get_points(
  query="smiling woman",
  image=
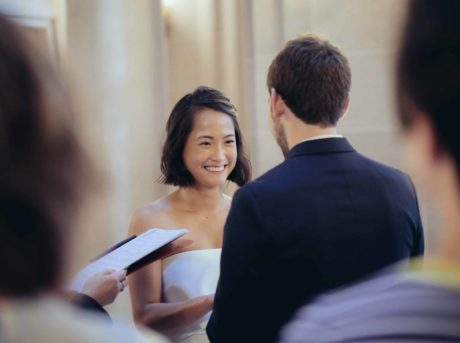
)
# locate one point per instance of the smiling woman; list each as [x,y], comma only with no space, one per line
[179,128]
[202,152]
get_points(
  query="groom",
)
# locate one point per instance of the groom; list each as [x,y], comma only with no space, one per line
[323,218]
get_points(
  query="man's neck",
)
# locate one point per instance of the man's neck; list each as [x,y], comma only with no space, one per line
[307,132]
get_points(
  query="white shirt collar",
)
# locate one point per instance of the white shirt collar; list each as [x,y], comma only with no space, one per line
[335,135]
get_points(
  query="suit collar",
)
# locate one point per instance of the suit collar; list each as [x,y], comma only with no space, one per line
[321,146]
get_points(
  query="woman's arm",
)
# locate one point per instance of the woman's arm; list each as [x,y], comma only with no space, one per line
[145,288]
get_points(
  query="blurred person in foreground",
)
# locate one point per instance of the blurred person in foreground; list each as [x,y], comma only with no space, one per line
[419,302]
[42,177]
[325,217]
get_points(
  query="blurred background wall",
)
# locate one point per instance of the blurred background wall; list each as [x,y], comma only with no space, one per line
[128,61]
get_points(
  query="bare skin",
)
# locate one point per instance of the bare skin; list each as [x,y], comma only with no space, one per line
[202,209]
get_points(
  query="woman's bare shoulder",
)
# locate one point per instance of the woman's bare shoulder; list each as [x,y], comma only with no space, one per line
[156,207]
[155,213]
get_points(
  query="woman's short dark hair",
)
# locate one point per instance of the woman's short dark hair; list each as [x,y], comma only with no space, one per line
[40,169]
[428,76]
[178,128]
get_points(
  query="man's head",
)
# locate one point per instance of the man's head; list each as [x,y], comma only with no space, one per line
[313,79]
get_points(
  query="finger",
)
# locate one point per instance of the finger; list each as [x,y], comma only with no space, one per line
[124,282]
[121,286]
[121,274]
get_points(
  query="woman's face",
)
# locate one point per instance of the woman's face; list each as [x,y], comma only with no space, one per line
[210,150]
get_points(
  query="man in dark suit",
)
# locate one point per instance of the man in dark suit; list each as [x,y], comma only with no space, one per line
[323,218]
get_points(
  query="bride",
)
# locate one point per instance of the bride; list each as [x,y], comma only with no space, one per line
[203,149]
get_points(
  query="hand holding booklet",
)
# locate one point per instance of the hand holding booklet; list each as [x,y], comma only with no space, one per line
[130,254]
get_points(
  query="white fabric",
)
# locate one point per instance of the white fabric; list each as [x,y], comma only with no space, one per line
[188,275]
[315,138]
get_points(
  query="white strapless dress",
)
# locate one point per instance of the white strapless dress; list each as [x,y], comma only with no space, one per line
[188,275]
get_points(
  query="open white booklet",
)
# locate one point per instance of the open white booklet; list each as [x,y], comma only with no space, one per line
[127,254]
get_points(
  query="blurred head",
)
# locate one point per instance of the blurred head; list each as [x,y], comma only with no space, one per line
[428,86]
[203,142]
[40,169]
[313,78]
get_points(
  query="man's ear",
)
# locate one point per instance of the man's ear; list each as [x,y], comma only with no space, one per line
[346,107]
[278,107]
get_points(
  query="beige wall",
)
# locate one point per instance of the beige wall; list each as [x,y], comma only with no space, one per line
[191,38]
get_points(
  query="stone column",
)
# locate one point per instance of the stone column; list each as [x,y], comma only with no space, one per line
[115,53]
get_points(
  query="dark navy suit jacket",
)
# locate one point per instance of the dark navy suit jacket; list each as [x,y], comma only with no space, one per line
[323,218]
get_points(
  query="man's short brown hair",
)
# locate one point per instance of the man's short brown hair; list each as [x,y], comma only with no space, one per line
[313,78]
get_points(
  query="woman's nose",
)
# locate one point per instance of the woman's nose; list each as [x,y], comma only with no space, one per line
[218,153]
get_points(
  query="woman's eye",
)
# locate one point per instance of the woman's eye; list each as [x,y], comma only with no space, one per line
[205,143]
[230,141]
